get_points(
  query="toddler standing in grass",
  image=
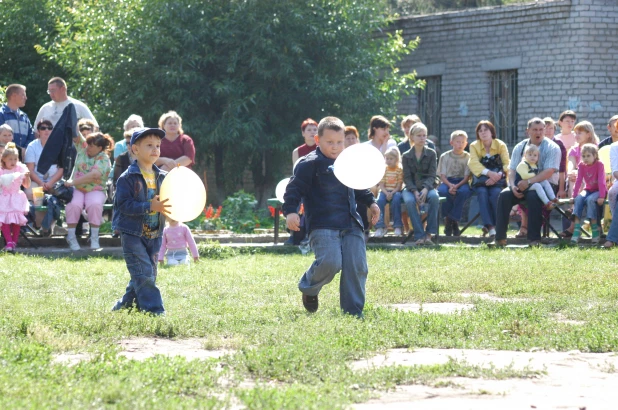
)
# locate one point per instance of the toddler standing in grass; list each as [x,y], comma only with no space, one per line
[139,217]
[591,171]
[176,237]
[335,227]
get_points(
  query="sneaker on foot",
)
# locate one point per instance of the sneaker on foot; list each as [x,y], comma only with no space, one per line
[397,232]
[379,233]
[94,243]
[73,244]
[310,303]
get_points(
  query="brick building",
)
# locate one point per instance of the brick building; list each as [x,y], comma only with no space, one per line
[511,63]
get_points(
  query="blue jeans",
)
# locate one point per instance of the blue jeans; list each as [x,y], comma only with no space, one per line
[338,250]
[612,234]
[453,206]
[433,202]
[488,203]
[395,209]
[588,200]
[141,256]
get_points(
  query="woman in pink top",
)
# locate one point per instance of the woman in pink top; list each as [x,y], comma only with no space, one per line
[177,147]
[176,237]
[592,172]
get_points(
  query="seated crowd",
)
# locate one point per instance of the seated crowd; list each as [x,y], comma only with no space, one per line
[530,180]
[96,162]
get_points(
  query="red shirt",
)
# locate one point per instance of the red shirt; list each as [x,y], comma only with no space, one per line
[306,149]
[181,146]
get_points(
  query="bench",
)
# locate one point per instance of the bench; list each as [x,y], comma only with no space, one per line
[41,208]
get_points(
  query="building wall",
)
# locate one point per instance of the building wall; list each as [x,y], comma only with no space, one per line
[565,53]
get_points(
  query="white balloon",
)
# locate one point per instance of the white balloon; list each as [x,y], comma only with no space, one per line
[296,163]
[360,166]
[185,193]
[280,190]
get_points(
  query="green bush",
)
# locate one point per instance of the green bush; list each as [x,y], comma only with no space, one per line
[238,212]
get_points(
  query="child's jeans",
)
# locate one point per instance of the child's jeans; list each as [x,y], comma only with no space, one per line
[544,191]
[395,209]
[338,250]
[177,257]
[453,206]
[433,202]
[589,200]
[141,256]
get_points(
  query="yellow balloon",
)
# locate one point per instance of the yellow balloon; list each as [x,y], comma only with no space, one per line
[185,193]
[604,158]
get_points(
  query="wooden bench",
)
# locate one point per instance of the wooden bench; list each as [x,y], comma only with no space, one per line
[41,208]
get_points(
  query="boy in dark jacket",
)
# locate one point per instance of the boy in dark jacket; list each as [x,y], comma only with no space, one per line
[335,227]
[139,216]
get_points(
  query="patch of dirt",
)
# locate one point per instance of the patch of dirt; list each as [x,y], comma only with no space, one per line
[574,380]
[443,308]
[141,348]
[71,359]
[493,298]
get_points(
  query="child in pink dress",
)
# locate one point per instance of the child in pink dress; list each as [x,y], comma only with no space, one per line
[176,237]
[13,202]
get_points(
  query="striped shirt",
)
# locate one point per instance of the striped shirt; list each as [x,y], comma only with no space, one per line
[23,133]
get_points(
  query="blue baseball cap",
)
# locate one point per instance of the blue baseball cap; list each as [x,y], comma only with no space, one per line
[139,133]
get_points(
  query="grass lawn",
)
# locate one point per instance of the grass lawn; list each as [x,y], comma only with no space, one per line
[281,356]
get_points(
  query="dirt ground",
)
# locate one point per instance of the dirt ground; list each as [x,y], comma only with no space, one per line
[573,380]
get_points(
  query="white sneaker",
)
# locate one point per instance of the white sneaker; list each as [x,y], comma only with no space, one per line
[94,242]
[397,232]
[379,233]
[73,244]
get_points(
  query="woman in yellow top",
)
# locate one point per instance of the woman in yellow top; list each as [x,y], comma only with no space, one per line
[489,162]
[89,177]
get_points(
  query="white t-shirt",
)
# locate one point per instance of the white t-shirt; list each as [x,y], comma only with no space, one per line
[33,153]
[52,111]
[389,143]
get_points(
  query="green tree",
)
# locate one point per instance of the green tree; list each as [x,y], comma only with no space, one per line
[243,74]
[23,24]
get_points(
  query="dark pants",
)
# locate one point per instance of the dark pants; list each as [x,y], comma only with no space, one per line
[141,256]
[507,200]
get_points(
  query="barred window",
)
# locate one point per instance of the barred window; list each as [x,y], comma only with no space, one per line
[430,106]
[503,105]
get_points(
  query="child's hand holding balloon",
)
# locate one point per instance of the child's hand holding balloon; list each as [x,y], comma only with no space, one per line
[293,222]
[160,206]
[375,213]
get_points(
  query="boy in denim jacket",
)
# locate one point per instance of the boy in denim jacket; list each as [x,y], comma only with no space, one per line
[139,216]
[335,227]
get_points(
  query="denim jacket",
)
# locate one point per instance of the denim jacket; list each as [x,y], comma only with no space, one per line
[328,203]
[130,202]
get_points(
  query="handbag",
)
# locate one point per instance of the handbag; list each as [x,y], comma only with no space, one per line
[62,192]
[492,163]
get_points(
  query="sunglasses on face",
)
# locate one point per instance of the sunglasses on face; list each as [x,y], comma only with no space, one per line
[44,128]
